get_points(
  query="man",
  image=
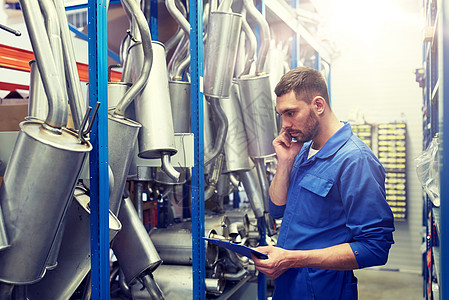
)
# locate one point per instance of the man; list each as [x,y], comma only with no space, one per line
[329,188]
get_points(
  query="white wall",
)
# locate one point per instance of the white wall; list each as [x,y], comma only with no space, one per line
[380,47]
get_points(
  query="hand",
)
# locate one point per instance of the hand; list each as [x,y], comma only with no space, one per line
[286,149]
[275,265]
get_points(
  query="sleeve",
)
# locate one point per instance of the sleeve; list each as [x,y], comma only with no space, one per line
[369,217]
[276,211]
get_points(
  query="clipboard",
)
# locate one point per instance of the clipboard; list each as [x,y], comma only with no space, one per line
[240,249]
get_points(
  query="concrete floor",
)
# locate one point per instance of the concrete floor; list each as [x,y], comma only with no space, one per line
[387,285]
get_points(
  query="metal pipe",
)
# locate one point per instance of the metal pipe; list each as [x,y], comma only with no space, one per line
[174,40]
[124,51]
[222,131]
[264,33]
[168,168]
[152,287]
[139,190]
[260,167]
[123,285]
[141,82]
[54,34]
[252,43]
[179,33]
[178,16]
[75,95]
[252,188]
[236,276]
[57,115]
[225,5]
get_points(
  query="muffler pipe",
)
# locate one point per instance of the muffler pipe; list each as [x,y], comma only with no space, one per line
[236,145]
[178,16]
[176,282]
[252,44]
[153,111]
[180,105]
[75,95]
[147,60]
[152,287]
[236,276]
[26,201]
[122,140]
[251,184]
[222,130]
[264,33]
[58,111]
[38,106]
[74,262]
[258,114]
[132,246]
[220,53]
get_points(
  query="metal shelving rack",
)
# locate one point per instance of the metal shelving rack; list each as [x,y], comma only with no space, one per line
[98,90]
[98,164]
[435,112]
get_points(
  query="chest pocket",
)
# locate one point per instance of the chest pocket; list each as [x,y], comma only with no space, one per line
[312,207]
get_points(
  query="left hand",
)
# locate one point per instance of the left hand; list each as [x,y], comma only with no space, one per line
[276,264]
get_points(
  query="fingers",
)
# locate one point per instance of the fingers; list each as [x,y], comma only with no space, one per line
[284,139]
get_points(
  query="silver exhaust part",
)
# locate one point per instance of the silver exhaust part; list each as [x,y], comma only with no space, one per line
[38,105]
[252,187]
[74,256]
[78,106]
[27,201]
[176,282]
[153,111]
[264,33]
[122,139]
[180,105]
[58,110]
[220,53]
[132,246]
[236,145]
[147,57]
[258,114]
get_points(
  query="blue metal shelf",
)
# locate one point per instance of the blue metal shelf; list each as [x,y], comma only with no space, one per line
[99,183]
[196,71]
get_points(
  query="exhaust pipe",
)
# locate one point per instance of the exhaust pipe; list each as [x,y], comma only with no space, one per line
[74,256]
[75,95]
[58,111]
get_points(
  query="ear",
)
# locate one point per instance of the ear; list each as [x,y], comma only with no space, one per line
[319,104]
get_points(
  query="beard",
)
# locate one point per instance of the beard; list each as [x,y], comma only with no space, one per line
[310,131]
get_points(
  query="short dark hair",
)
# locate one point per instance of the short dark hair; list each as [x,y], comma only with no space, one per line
[303,80]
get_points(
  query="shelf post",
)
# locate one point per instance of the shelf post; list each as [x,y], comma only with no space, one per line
[98,158]
[196,120]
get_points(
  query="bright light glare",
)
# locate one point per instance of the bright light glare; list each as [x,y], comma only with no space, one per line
[360,16]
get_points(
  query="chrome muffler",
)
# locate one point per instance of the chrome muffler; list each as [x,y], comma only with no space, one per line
[153,110]
[252,187]
[74,261]
[220,53]
[132,246]
[236,145]
[122,139]
[35,194]
[258,114]
[176,282]
[180,105]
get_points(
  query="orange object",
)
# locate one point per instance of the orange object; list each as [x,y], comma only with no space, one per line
[18,59]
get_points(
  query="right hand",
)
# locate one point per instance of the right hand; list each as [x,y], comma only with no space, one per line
[286,149]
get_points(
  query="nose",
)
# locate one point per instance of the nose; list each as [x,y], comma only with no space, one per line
[285,123]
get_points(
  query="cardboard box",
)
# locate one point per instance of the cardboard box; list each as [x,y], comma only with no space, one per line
[12,112]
